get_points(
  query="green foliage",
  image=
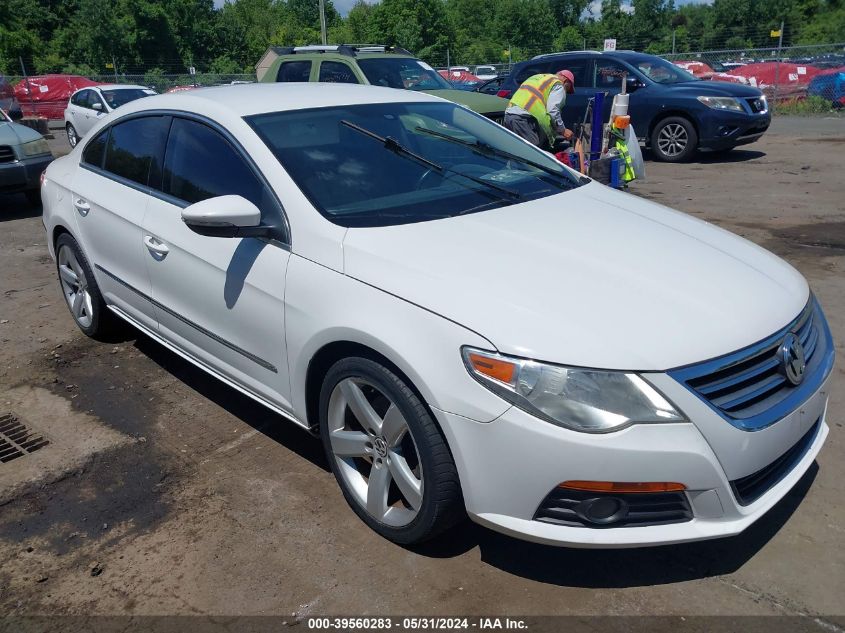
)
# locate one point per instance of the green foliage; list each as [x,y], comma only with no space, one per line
[806,106]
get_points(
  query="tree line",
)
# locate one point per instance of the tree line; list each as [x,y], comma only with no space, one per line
[95,37]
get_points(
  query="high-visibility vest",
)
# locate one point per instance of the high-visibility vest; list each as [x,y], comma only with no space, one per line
[622,148]
[533,95]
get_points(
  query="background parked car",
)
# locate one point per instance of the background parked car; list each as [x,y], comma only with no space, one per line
[24,155]
[386,66]
[86,106]
[672,111]
[486,72]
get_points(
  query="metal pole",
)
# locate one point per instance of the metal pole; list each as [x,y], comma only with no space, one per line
[28,88]
[323,22]
[114,65]
[510,58]
[777,65]
[448,65]
[673,41]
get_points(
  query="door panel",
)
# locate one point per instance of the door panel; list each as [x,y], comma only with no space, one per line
[219,299]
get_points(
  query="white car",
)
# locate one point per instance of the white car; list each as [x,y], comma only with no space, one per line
[87,105]
[486,72]
[468,325]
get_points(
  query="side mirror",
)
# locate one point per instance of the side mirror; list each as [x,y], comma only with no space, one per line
[226,216]
[633,83]
[16,115]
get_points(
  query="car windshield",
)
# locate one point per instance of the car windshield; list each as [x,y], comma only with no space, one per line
[117,98]
[402,72]
[397,163]
[663,72]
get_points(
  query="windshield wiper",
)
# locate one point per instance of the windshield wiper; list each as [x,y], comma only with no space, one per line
[397,148]
[488,150]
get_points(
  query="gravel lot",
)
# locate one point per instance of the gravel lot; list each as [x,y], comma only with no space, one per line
[165,492]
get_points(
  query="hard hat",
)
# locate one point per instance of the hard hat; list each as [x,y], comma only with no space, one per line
[565,74]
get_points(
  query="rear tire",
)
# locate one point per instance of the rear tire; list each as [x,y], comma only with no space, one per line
[81,292]
[674,140]
[72,136]
[387,454]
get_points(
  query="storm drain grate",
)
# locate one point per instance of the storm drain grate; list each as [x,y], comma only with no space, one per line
[16,440]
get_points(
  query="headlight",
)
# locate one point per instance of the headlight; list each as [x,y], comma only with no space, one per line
[722,103]
[586,400]
[36,147]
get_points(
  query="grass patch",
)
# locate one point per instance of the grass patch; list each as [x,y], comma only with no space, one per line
[807,106]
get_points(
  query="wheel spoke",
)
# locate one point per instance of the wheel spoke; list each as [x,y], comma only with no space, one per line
[377,488]
[406,481]
[393,426]
[361,407]
[350,443]
[68,275]
[89,308]
[78,302]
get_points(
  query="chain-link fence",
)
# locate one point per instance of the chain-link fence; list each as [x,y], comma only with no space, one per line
[813,77]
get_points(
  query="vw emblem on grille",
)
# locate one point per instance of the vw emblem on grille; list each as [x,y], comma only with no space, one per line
[791,357]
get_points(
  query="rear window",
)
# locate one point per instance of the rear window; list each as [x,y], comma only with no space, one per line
[577,66]
[136,148]
[294,71]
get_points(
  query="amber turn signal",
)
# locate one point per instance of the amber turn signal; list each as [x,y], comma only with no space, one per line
[623,486]
[500,370]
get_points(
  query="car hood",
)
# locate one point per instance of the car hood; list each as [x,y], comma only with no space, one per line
[477,101]
[715,88]
[590,277]
[15,134]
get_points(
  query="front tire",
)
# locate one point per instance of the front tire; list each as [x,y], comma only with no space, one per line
[72,136]
[80,290]
[387,454]
[674,140]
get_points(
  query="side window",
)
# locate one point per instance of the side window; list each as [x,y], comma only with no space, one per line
[337,72]
[294,71]
[94,97]
[79,98]
[609,74]
[95,150]
[532,69]
[201,164]
[577,66]
[136,148]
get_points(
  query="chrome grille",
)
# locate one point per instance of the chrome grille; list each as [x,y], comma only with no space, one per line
[748,387]
[7,154]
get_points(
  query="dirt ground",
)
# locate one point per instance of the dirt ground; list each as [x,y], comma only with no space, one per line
[165,492]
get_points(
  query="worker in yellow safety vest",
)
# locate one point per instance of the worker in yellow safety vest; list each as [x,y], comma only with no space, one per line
[534,109]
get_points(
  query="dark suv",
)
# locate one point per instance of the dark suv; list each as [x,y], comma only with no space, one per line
[673,112]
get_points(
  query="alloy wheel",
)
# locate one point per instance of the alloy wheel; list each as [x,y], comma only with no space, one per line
[75,287]
[72,138]
[673,139]
[375,452]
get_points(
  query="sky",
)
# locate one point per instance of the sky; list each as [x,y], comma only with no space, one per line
[343,6]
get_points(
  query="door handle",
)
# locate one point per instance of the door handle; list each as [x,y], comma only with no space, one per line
[159,249]
[82,206]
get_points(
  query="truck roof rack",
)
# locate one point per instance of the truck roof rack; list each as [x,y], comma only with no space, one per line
[351,50]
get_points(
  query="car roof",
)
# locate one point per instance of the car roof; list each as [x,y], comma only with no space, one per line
[120,87]
[258,98]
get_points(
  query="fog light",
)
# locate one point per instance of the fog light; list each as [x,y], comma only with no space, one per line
[602,510]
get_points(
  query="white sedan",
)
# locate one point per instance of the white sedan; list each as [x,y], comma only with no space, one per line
[469,326]
[87,105]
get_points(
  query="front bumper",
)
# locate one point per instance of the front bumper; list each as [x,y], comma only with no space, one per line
[508,466]
[724,130]
[23,174]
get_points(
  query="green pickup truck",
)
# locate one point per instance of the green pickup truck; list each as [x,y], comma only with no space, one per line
[387,66]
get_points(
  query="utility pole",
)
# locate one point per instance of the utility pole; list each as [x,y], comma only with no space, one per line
[673,41]
[585,44]
[448,64]
[777,66]
[323,22]
[28,88]
[114,65]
